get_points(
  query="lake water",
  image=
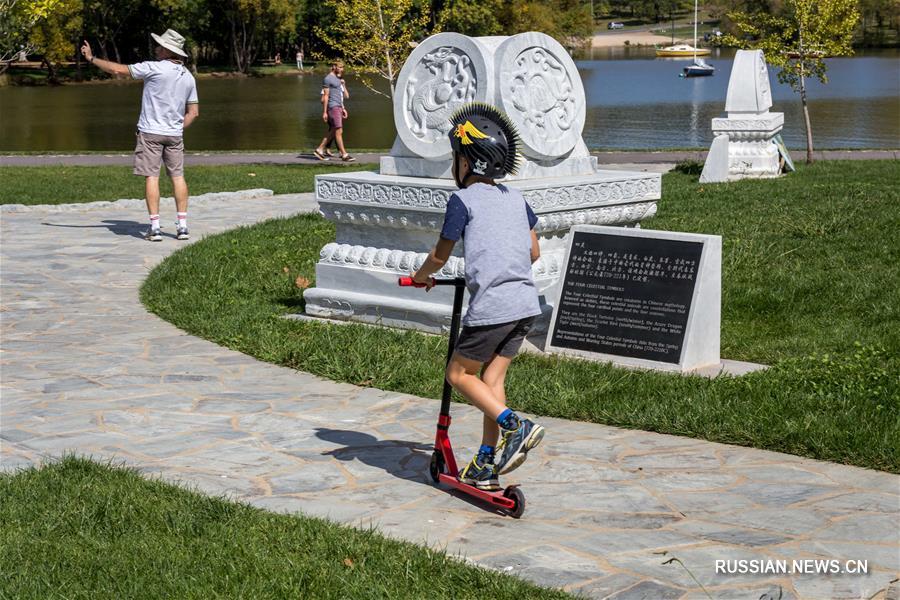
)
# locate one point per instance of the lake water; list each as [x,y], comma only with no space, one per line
[634,101]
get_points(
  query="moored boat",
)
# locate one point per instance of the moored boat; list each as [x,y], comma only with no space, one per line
[682,50]
[700,68]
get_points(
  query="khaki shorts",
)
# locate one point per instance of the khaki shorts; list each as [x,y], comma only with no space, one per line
[152,150]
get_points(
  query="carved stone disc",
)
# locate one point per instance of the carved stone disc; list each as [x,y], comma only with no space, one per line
[444,72]
[540,89]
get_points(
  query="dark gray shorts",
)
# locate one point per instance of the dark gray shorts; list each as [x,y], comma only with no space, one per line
[482,343]
[152,150]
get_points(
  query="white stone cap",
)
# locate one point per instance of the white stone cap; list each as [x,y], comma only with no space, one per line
[748,87]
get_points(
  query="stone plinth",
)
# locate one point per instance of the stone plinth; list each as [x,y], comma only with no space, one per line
[387,222]
[744,146]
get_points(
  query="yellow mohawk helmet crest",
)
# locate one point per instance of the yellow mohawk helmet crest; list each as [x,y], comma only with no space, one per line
[465,130]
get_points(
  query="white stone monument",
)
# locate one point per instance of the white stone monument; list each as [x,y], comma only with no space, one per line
[388,221]
[743,145]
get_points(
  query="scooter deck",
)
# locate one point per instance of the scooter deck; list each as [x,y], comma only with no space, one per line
[496,498]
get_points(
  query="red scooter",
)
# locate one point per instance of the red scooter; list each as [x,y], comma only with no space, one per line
[443,463]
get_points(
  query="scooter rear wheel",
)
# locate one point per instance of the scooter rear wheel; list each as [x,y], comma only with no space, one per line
[437,466]
[518,497]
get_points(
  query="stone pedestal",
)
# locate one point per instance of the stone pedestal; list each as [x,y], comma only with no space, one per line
[388,221]
[743,146]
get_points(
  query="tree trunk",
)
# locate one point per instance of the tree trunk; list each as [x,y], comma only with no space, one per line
[51,73]
[809,142]
[387,49]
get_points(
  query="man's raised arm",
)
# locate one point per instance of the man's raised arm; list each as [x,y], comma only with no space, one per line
[113,68]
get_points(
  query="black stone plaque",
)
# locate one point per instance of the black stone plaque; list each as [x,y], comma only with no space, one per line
[627,295]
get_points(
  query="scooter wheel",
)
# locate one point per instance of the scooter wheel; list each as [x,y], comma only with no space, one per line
[518,497]
[436,467]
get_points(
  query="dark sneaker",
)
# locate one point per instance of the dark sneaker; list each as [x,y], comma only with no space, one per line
[481,475]
[182,234]
[515,445]
[153,235]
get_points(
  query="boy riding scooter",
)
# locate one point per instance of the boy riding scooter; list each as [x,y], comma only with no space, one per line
[500,247]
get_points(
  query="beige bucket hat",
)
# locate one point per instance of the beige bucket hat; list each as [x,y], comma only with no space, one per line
[171,40]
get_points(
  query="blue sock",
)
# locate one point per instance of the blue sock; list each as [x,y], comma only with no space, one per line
[486,454]
[508,420]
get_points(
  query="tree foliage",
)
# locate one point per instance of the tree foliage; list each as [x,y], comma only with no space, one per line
[798,39]
[250,20]
[472,18]
[17,19]
[568,21]
[376,36]
[56,35]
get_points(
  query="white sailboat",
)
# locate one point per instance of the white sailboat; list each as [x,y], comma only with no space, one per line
[700,68]
[684,50]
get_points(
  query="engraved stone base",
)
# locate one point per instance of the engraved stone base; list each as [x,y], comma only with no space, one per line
[746,146]
[387,224]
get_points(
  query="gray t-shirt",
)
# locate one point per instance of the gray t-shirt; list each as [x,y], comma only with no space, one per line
[495,223]
[335,92]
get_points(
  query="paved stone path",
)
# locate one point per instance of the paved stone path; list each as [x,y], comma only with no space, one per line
[281,158]
[85,368]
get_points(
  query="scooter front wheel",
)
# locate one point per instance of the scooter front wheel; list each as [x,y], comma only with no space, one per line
[437,466]
[518,497]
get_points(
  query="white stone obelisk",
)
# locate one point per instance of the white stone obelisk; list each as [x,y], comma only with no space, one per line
[744,146]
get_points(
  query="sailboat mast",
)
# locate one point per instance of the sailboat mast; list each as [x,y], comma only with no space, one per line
[695,31]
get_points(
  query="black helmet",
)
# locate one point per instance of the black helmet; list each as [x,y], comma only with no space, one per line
[487,138]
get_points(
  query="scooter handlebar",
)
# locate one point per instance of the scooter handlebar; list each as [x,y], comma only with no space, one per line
[408,282]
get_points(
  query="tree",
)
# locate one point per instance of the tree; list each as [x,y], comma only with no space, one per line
[798,40]
[57,35]
[472,18]
[567,21]
[376,36]
[252,21]
[17,19]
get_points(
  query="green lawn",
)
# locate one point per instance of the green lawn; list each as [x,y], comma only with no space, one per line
[60,185]
[76,529]
[810,277]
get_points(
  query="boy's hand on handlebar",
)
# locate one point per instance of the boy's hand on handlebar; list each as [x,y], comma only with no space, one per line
[425,280]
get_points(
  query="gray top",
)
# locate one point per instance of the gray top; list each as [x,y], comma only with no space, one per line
[495,223]
[335,92]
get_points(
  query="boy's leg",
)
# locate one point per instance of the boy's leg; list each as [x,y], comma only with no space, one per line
[519,436]
[462,374]
[494,375]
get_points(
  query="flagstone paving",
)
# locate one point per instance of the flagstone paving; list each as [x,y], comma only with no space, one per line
[86,369]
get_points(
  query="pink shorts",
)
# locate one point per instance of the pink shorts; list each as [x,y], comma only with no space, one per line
[335,117]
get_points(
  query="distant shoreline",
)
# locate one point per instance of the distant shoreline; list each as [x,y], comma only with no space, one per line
[628,38]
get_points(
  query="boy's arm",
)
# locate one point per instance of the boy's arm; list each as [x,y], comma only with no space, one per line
[535,247]
[325,105]
[437,258]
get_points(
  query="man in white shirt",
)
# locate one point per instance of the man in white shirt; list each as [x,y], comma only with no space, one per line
[169,104]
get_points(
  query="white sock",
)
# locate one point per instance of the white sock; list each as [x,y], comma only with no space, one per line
[182,219]
[154,222]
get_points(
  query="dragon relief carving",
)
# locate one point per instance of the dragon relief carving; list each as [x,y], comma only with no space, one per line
[448,82]
[542,92]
